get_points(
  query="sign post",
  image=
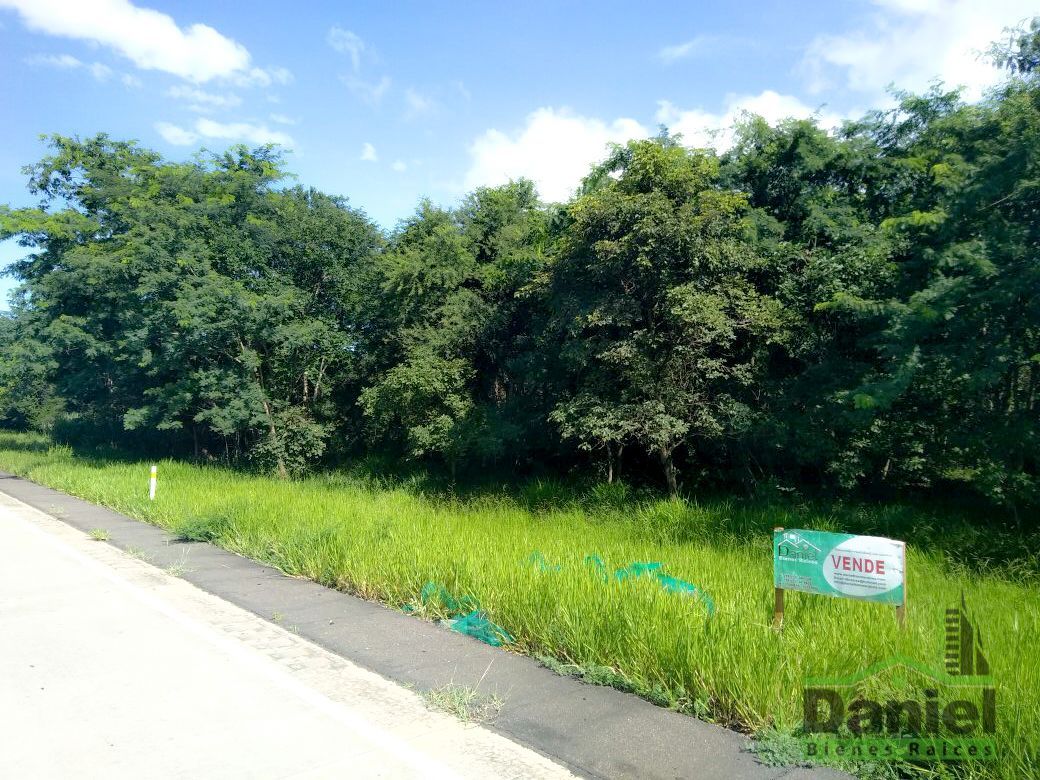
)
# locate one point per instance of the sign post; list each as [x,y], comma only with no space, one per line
[866,568]
[778,608]
[151,483]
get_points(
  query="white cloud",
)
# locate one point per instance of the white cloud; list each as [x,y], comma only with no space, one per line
[347,42]
[910,43]
[463,90]
[151,39]
[204,129]
[351,44]
[700,128]
[175,135]
[130,80]
[400,166]
[282,119]
[417,104]
[262,77]
[696,46]
[368,153]
[200,100]
[99,71]
[678,51]
[64,61]
[555,149]
[241,131]
[369,91]
[701,46]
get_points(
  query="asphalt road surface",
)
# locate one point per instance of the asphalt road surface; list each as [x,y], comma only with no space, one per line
[111,667]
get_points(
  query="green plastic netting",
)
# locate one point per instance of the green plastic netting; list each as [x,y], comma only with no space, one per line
[466,616]
[656,570]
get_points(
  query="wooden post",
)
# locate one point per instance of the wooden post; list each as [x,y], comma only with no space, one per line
[778,599]
[901,608]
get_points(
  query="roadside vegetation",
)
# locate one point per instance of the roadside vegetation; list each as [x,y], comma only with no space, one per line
[828,328]
[852,310]
[384,538]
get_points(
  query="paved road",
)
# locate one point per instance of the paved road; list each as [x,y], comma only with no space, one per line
[113,668]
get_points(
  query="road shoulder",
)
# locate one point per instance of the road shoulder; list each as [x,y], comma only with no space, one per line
[593,730]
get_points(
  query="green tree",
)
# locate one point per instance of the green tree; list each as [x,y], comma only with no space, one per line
[193,297]
[455,325]
[660,318]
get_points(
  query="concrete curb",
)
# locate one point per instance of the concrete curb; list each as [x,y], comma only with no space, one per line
[595,731]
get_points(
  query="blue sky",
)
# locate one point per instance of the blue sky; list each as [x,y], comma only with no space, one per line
[386,103]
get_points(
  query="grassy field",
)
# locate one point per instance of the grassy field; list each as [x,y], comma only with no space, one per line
[384,539]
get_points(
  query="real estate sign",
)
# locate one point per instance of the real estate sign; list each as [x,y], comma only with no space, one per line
[869,568]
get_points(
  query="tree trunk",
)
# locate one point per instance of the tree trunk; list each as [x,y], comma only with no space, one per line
[610,463]
[668,464]
[317,382]
[282,471]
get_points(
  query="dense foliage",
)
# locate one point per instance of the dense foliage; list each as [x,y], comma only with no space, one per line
[855,309]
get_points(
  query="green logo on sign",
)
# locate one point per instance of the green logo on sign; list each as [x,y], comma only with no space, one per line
[868,568]
[794,547]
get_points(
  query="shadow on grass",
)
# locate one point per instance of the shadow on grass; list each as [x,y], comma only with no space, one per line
[971,538]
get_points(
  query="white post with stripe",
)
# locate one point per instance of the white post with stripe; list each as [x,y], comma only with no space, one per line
[151,483]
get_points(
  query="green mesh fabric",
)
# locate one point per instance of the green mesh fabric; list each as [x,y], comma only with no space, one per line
[434,592]
[467,617]
[538,560]
[638,569]
[477,625]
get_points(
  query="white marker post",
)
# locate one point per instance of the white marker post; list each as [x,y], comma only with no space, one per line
[151,483]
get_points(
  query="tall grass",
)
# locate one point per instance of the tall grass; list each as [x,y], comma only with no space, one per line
[384,541]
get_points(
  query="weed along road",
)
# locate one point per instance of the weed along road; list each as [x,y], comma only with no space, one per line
[113,668]
[127,653]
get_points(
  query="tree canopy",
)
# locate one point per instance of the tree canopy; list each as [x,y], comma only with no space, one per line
[857,308]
